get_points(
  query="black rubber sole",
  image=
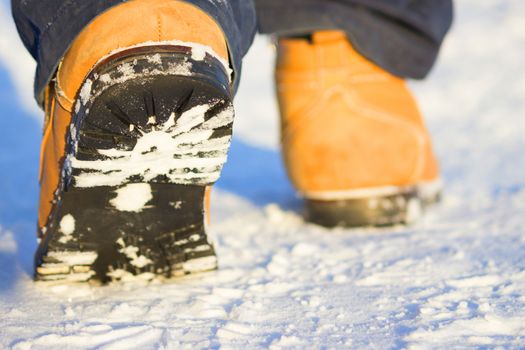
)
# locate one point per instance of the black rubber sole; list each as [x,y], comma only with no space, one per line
[399,208]
[151,131]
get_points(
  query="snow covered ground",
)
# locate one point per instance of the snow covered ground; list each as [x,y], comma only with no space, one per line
[456,279]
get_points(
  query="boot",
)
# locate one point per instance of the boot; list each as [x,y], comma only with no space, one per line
[138,125]
[354,143]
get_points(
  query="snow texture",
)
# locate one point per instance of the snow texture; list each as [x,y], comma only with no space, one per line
[454,280]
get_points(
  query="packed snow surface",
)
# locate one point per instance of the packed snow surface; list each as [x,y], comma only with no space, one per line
[455,279]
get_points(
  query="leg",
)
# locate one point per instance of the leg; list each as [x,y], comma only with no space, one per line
[402,37]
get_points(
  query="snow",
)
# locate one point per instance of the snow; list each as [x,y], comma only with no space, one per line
[198,53]
[74,258]
[67,227]
[455,279]
[67,224]
[85,91]
[155,59]
[132,197]
[131,252]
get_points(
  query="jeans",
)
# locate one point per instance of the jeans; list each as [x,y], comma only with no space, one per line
[401,36]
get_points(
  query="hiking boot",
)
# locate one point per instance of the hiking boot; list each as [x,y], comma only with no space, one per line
[138,125]
[354,143]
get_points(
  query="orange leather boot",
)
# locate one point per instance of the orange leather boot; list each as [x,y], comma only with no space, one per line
[138,125]
[354,143]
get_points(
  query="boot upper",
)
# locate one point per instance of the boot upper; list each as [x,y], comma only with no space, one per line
[346,123]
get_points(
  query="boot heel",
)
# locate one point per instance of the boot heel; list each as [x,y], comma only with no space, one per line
[151,130]
[377,207]
[377,210]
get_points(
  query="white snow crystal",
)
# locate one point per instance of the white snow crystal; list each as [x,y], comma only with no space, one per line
[132,197]
[74,258]
[131,253]
[85,91]
[198,53]
[67,227]
[154,59]
[67,224]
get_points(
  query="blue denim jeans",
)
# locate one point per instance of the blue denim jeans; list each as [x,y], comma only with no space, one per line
[402,36]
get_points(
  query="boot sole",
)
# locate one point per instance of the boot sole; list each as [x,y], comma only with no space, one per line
[381,207]
[151,130]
